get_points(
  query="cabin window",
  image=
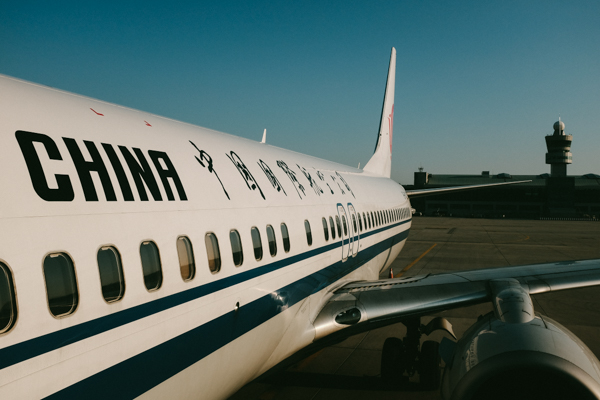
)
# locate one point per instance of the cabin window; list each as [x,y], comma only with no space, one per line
[372,220]
[325,228]
[111,273]
[187,264]
[212,252]
[151,265]
[256,243]
[354,224]
[345,226]
[308,232]
[272,240]
[236,247]
[332,227]
[360,222]
[339,226]
[8,302]
[285,237]
[61,284]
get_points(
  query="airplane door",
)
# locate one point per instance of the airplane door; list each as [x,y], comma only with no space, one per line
[354,231]
[343,220]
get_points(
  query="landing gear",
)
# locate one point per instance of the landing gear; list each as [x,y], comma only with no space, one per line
[393,360]
[429,365]
[402,358]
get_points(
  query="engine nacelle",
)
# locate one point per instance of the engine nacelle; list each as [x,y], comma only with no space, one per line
[539,358]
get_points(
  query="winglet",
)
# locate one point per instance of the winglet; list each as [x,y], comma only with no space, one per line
[264,138]
[381,161]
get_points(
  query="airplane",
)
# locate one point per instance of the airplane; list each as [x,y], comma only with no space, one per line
[141,257]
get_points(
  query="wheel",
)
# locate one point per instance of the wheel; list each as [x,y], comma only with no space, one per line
[392,357]
[429,365]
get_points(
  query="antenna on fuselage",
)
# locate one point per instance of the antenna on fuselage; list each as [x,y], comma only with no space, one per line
[264,139]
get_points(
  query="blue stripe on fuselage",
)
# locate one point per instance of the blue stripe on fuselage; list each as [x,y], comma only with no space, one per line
[140,373]
[37,346]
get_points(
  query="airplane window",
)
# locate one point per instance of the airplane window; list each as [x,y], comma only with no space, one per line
[359,222]
[354,222]
[151,265]
[272,240]
[372,220]
[332,228]
[308,232]
[286,237]
[187,264]
[325,228]
[339,226]
[345,226]
[61,284]
[111,273]
[256,243]
[236,247]
[365,221]
[8,302]
[213,253]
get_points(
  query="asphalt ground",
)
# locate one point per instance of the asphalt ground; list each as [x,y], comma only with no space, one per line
[350,369]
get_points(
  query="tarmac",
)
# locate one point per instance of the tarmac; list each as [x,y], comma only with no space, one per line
[350,369]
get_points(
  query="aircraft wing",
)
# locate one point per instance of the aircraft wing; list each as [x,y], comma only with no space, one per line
[366,305]
[428,192]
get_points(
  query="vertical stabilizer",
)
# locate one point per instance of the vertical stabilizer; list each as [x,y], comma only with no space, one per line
[381,161]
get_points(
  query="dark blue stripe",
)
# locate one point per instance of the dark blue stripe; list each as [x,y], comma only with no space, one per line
[140,373]
[52,341]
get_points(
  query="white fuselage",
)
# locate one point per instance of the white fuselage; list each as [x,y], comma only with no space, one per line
[204,337]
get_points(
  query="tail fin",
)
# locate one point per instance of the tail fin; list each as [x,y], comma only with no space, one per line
[381,161]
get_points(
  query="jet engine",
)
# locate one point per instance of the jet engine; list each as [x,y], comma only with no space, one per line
[514,353]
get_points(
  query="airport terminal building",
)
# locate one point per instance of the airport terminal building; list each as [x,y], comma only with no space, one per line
[551,195]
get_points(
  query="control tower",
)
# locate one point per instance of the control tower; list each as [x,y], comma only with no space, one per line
[559,150]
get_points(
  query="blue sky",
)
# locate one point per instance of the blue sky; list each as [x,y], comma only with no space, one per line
[478,86]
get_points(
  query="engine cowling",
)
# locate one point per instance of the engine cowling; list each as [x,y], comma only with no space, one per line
[539,358]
